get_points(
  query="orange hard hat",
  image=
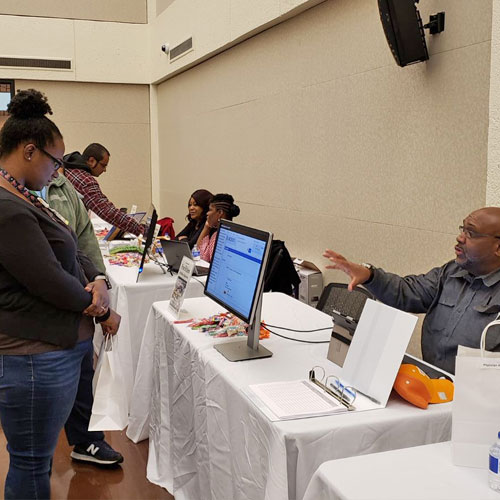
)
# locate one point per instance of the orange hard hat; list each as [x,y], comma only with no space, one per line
[417,388]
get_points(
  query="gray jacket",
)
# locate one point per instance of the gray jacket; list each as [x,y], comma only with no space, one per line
[457,304]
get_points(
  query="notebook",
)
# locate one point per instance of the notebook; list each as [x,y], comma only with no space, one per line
[175,250]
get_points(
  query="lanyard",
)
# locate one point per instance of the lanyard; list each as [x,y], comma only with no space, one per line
[36,200]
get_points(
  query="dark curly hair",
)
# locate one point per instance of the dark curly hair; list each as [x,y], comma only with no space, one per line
[27,122]
[224,201]
[203,199]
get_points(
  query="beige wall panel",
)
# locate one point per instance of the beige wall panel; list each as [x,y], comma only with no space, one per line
[128,178]
[405,151]
[116,116]
[105,52]
[40,38]
[95,102]
[97,10]
[245,16]
[162,5]
[493,182]
[207,22]
[112,53]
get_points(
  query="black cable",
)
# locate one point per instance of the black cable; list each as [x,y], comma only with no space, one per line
[299,331]
[296,340]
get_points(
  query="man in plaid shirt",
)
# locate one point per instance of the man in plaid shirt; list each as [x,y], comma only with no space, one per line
[81,170]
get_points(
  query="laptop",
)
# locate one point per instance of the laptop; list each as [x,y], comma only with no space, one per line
[175,250]
[115,233]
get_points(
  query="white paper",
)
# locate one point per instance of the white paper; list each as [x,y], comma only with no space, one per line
[296,399]
[183,276]
[377,348]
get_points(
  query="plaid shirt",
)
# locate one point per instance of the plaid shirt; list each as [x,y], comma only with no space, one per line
[94,199]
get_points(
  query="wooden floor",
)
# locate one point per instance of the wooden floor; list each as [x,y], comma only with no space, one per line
[72,480]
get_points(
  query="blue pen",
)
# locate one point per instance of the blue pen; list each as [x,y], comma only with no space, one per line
[340,387]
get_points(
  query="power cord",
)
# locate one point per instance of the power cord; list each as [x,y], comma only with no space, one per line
[299,331]
[297,340]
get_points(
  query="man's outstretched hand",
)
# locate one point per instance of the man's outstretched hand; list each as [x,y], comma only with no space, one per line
[358,273]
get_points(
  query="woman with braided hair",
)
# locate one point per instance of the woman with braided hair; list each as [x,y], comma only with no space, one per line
[221,206]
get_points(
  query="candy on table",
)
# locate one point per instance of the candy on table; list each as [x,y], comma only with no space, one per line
[225,325]
[126,259]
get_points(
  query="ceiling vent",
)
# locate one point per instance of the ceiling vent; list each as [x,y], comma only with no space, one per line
[30,62]
[180,50]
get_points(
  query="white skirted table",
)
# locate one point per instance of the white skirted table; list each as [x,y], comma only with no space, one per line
[133,302]
[208,440]
[419,473]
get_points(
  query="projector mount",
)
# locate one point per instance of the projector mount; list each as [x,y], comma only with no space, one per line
[435,24]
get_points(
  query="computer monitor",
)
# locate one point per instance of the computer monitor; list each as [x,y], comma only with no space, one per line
[151,219]
[236,282]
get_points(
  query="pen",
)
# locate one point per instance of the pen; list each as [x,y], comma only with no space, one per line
[339,386]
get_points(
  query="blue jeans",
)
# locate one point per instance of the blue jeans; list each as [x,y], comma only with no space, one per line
[37,393]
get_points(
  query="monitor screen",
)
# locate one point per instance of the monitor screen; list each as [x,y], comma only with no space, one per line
[238,267]
[150,222]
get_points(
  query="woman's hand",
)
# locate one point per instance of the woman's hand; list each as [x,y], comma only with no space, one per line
[112,324]
[100,298]
[358,273]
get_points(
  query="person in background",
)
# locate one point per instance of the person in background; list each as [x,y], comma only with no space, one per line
[48,299]
[459,298]
[63,198]
[87,446]
[221,207]
[81,170]
[198,205]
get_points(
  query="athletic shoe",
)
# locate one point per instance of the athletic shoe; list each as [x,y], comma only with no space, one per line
[98,452]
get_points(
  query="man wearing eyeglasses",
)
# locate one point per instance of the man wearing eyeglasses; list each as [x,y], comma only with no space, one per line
[459,298]
[81,170]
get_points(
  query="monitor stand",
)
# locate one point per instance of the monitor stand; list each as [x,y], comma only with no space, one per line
[241,350]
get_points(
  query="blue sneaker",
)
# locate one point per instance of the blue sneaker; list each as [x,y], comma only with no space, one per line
[98,452]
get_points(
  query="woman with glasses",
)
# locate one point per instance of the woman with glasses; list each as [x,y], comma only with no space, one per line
[48,300]
[197,215]
[221,206]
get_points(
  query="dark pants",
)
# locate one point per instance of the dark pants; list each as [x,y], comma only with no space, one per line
[78,422]
[37,393]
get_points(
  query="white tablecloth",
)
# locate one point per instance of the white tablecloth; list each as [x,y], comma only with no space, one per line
[208,441]
[420,473]
[133,301]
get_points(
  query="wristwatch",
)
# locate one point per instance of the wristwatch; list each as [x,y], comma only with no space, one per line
[370,268]
[104,278]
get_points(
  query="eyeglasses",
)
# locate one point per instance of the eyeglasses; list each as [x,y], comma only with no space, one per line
[58,163]
[472,235]
[103,165]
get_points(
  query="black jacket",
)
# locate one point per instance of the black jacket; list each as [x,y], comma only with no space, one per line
[75,160]
[42,275]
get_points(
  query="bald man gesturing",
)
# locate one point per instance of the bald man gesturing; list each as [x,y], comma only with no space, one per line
[459,298]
